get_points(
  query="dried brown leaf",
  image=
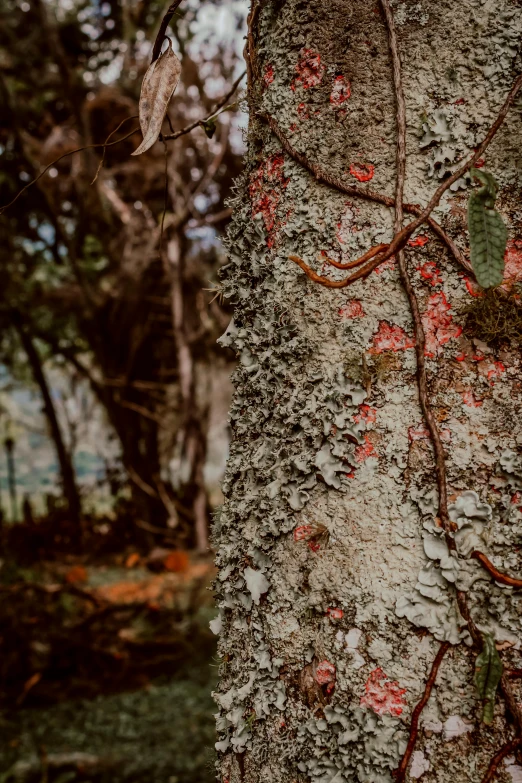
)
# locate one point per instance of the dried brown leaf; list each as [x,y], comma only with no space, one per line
[158,85]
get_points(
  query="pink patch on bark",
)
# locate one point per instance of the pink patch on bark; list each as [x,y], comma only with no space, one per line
[325,675]
[386,265]
[419,241]
[495,370]
[390,337]
[265,190]
[513,261]
[341,91]
[345,225]
[429,271]
[352,309]
[303,111]
[365,450]
[303,532]
[383,696]
[438,324]
[334,613]
[268,76]
[422,433]
[469,399]
[309,70]
[362,171]
[366,414]
[473,288]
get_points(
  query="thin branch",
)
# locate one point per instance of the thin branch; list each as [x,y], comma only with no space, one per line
[358,261]
[332,181]
[504,751]
[51,590]
[497,575]
[158,43]
[65,155]
[400,773]
[360,274]
[106,144]
[222,101]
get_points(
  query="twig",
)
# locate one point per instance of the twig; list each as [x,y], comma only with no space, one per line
[504,751]
[361,273]
[332,181]
[160,37]
[102,161]
[497,575]
[358,261]
[400,773]
[197,123]
[65,155]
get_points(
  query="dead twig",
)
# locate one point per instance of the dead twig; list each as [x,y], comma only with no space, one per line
[497,575]
[160,37]
[400,773]
[65,155]
[222,101]
[504,751]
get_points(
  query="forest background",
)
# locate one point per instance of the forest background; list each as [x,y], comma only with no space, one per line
[113,389]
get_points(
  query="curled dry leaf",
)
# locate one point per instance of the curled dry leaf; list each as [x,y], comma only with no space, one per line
[159,83]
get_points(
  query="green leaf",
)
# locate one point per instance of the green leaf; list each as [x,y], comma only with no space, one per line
[209,127]
[488,671]
[487,232]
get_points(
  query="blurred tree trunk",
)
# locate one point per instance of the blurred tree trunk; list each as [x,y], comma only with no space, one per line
[70,490]
[336,587]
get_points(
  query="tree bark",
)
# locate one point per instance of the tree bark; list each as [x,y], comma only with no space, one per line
[339,578]
[70,489]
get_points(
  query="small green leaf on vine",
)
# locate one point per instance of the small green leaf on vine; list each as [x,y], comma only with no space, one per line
[487,231]
[488,671]
[209,126]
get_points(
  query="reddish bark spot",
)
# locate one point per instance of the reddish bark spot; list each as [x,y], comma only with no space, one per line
[352,309]
[390,337]
[366,414]
[315,546]
[325,675]
[362,171]
[268,76]
[303,532]
[516,499]
[334,613]
[303,111]
[341,91]
[495,370]
[365,450]
[309,70]
[293,127]
[345,225]
[383,696]
[474,289]
[429,271]
[386,265]
[461,357]
[265,189]
[459,102]
[513,261]
[480,163]
[419,241]
[437,322]
[469,399]
[422,433]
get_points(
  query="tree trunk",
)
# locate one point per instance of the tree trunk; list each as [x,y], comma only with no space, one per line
[70,489]
[346,577]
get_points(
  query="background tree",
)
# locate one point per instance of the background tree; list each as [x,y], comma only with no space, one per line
[375,467]
[81,248]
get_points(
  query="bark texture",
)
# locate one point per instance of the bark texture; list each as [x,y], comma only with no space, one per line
[336,587]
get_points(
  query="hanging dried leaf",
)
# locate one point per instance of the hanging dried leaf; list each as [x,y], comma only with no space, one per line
[488,671]
[159,83]
[487,232]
